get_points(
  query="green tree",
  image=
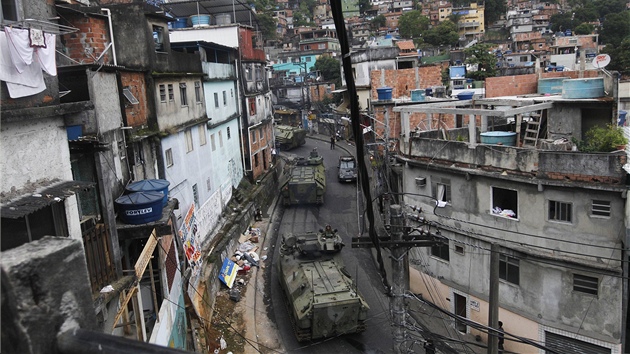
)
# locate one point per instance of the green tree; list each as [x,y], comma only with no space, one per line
[443,34]
[615,28]
[561,22]
[412,23]
[487,62]
[267,25]
[493,9]
[330,68]
[363,5]
[584,28]
[378,22]
[619,56]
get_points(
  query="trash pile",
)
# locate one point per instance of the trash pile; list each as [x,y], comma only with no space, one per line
[238,265]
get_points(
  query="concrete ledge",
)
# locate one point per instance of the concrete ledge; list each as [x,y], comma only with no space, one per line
[45,287]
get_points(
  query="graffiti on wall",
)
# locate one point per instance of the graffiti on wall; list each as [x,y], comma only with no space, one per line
[190,236]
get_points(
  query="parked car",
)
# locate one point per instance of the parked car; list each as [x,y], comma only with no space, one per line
[347,169]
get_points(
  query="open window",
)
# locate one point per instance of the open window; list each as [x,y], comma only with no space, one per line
[504,202]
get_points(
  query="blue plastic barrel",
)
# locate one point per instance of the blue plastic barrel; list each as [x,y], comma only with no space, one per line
[384,93]
[150,185]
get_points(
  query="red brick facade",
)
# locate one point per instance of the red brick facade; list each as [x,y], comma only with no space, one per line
[89,42]
[136,114]
[404,80]
[525,84]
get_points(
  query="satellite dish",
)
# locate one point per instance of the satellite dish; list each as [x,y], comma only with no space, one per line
[601,61]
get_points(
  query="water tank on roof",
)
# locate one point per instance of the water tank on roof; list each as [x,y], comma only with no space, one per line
[223,19]
[150,185]
[140,208]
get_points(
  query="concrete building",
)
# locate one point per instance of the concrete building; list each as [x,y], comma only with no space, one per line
[471,24]
[111,138]
[256,111]
[554,217]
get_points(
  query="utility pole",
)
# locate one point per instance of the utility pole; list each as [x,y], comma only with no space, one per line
[493,300]
[399,286]
[399,241]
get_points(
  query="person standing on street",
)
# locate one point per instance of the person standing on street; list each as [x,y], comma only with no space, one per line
[332,142]
[501,337]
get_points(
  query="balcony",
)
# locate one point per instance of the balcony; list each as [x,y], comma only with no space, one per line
[218,71]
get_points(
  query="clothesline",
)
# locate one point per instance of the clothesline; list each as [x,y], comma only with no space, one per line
[48,27]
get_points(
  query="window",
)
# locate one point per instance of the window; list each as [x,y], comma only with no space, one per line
[509,269]
[216,100]
[197,91]
[189,140]
[9,11]
[248,73]
[321,46]
[129,95]
[214,146]
[504,202]
[171,93]
[459,249]
[600,208]
[253,134]
[252,106]
[158,38]
[524,59]
[441,251]
[225,98]
[560,211]
[585,284]
[442,189]
[162,93]
[220,138]
[168,155]
[256,160]
[195,195]
[202,135]
[228,133]
[182,94]
[49,220]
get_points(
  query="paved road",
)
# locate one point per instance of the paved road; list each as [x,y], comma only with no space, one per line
[339,210]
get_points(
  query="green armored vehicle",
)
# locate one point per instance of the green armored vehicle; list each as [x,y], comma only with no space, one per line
[288,137]
[306,183]
[322,299]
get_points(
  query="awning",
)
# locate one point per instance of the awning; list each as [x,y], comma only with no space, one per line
[42,198]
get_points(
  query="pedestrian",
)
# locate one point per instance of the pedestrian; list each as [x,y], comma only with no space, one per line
[429,348]
[501,337]
[332,142]
[258,215]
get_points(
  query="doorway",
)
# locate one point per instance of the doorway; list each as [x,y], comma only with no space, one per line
[460,310]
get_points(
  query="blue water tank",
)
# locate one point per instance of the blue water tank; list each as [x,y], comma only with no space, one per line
[180,23]
[140,207]
[150,185]
[583,88]
[384,93]
[552,86]
[499,138]
[466,95]
[417,95]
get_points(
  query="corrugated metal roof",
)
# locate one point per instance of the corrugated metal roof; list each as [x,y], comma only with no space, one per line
[31,203]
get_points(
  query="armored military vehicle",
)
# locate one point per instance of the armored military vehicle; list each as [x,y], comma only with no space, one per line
[306,183]
[288,137]
[322,300]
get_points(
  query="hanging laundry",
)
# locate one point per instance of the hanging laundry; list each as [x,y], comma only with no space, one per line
[46,55]
[19,47]
[27,83]
[36,38]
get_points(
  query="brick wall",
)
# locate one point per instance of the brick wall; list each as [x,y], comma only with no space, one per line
[525,84]
[404,80]
[136,114]
[89,42]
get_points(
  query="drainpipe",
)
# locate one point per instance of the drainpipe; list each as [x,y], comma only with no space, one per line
[111,34]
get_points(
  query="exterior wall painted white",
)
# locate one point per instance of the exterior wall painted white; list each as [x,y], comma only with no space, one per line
[163,328]
[221,100]
[224,35]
